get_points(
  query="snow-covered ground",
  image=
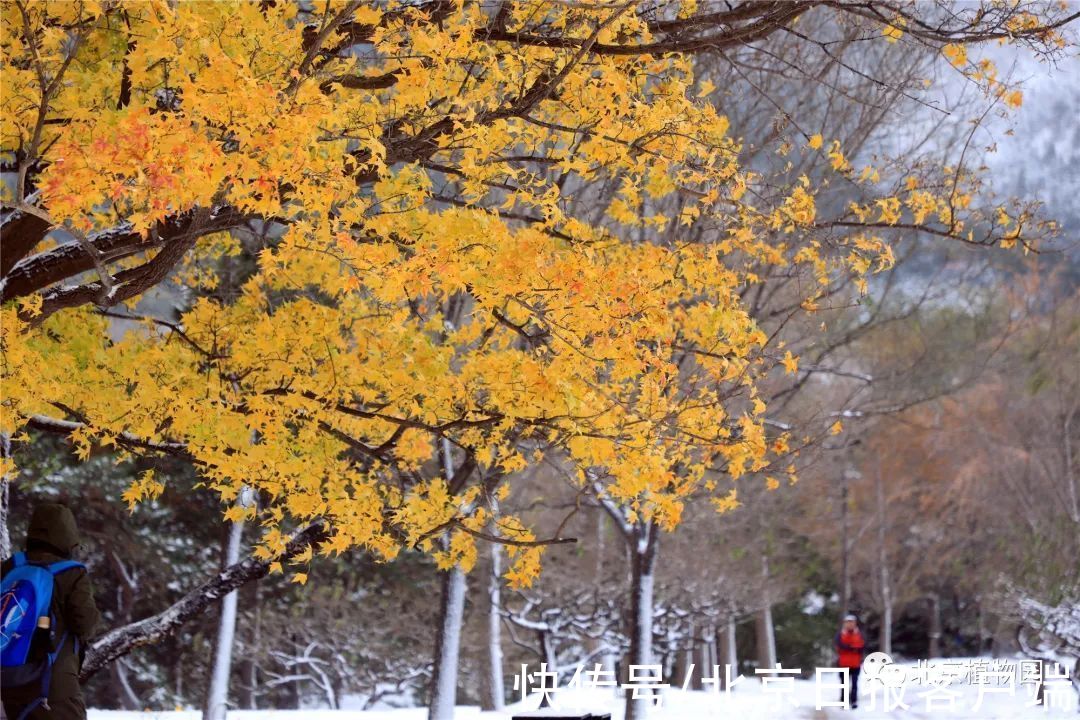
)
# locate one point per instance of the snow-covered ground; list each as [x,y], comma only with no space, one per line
[775,700]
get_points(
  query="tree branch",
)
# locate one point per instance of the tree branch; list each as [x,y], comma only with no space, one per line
[122,640]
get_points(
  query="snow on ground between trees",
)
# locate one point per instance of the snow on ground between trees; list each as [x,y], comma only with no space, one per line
[747,700]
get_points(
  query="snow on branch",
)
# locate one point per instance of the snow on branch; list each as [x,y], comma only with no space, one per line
[122,640]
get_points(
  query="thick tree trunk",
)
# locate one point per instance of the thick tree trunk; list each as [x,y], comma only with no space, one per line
[122,640]
[642,580]
[447,644]
[448,634]
[763,623]
[766,640]
[493,699]
[217,697]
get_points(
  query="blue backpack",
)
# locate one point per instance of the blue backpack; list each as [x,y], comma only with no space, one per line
[26,595]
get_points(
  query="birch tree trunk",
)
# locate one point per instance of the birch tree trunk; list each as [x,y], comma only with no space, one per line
[448,634]
[217,699]
[642,580]
[447,645]
[493,699]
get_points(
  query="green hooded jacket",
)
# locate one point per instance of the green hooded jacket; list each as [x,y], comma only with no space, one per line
[52,536]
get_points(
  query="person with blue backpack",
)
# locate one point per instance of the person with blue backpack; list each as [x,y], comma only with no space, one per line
[47,615]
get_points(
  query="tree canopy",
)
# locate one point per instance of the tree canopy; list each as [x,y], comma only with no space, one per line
[468,221]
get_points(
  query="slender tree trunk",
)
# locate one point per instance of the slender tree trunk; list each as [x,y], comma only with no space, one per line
[684,658]
[331,694]
[547,649]
[251,668]
[935,626]
[122,686]
[249,696]
[607,660]
[885,635]
[1070,472]
[706,656]
[448,634]
[845,568]
[494,699]
[127,588]
[178,670]
[217,698]
[642,579]
[883,569]
[763,623]
[986,637]
[729,655]
[293,699]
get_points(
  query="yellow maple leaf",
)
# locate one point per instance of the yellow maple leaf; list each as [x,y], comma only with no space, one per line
[791,363]
[956,54]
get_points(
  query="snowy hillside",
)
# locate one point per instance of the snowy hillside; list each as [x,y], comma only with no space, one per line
[1041,159]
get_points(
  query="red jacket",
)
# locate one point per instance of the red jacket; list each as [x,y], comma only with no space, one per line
[849,646]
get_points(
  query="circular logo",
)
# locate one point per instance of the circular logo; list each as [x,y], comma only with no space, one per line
[879,667]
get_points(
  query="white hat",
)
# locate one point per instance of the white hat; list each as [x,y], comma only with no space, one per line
[850,617]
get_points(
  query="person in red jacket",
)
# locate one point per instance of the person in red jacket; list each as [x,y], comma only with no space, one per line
[849,649]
